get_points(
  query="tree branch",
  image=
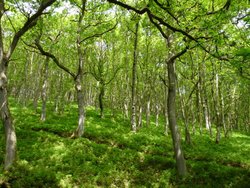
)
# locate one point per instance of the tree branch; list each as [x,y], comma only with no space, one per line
[167,10]
[31,22]
[163,80]
[173,58]
[114,75]
[48,54]
[98,34]
[152,16]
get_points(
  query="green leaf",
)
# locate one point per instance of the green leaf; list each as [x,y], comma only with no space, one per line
[245,52]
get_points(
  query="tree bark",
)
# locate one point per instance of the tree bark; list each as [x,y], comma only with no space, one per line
[140,116]
[134,72]
[44,89]
[148,112]
[203,97]
[101,95]
[199,108]
[79,76]
[81,111]
[183,112]
[217,111]
[157,109]
[166,102]
[179,157]
[10,134]
[125,109]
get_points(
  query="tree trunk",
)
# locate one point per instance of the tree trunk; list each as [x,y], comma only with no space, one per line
[44,89]
[199,108]
[37,88]
[179,157]
[10,134]
[81,112]
[148,113]
[193,117]
[134,72]
[157,114]
[101,95]
[79,77]
[203,97]
[140,117]
[166,102]
[225,129]
[126,109]
[217,111]
[183,112]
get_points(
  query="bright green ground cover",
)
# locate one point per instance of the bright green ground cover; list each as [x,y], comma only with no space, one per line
[109,155]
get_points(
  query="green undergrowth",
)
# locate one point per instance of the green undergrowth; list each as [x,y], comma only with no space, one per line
[110,155]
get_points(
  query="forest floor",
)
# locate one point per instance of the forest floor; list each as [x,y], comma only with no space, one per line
[110,155]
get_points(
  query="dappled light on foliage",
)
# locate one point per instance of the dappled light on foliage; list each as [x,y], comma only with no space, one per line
[110,155]
[117,93]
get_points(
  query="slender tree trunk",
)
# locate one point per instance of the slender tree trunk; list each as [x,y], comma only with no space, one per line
[126,109]
[199,108]
[187,133]
[234,109]
[217,111]
[179,157]
[166,102]
[203,97]
[193,117]
[58,101]
[101,95]
[222,105]
[207,116]
[148,112]
[140,117]
[157,109]
[44,89]
[37,88]
[134,72]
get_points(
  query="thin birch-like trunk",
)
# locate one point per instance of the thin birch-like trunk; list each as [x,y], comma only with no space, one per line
[187,133]
[134,73]
[148,112]
[44,89]
[157,110]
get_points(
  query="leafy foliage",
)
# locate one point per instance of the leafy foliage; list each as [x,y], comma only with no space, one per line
[244,52]
[110,155]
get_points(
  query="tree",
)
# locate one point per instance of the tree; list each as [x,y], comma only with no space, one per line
[80,51]
[189,26]
[5,57]
[101,68]
[133,85]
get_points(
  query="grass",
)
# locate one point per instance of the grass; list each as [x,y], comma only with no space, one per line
[110,155]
